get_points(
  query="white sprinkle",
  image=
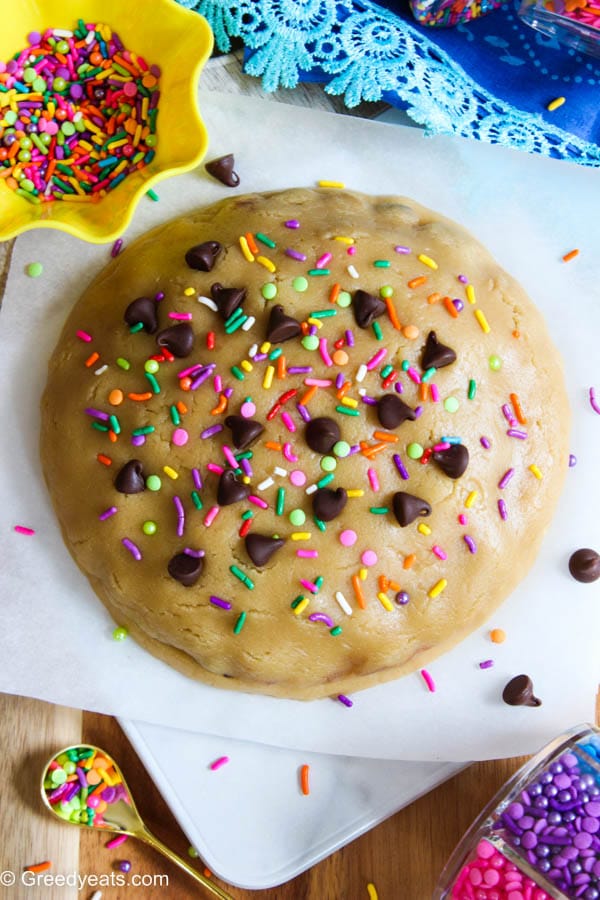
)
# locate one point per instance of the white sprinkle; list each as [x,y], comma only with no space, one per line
[279,471]
[362,371]
[91,36]
[101,370]
[311,489]
[248,323]
[362,391]
[96,895]
[343,603]
[253,351]
[352,272]
[206,301]
[61,32]
[265,484]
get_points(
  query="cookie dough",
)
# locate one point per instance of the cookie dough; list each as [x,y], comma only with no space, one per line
[304,442]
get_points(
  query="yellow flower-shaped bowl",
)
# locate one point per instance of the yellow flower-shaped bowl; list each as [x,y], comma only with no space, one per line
[163,33]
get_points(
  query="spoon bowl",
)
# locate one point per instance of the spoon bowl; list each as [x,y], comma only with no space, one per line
[83,785]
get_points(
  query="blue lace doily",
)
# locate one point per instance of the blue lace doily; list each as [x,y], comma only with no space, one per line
[365,51]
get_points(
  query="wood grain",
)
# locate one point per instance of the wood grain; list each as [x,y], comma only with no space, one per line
[31,731]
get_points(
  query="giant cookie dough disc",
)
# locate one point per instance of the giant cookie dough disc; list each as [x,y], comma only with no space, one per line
[303,442]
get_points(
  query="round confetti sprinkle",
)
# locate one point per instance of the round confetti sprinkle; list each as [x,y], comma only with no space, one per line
[297,478]
[410,332]
[34,269]
[115,398]
[328,463]
[151,366]
[340,357]
[495,363]
[120,633]
[297,517]
[149,527]
[451,404]
[180,437]
[247,409]
[341,449]
[300,284]
[310,342]
[153,483]
[368,558]
[386,291]
[269,291]
[497,635]
[414,451]
[348,538]
[344,299]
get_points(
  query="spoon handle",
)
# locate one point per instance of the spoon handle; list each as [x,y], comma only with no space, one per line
[153,841]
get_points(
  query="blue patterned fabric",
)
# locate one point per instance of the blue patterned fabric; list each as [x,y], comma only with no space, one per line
[373,51]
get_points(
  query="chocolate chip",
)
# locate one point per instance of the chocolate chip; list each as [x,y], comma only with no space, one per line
[321,434]
[519,692]
[392,411]
[130,478]
[222,169]
[453,461]
[227,299]
[281,327]
[203,256]
[243,431]
[367,308]
[178,339]
[261,547]
[407,507]
[436,354]
[143,310]
[328,504]
[230,490]
[185,568]
[584,565]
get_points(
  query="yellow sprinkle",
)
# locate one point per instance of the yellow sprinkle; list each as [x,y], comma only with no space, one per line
[482,321]
[105,777]
[189,292]
[301,535]
[536,472]
[115,144]
[246,249]
[470,292]
[137,136]
[355,492]
[246,479]
[423,528]
[301,606]
[385,601]
[316,322]
[170,472]
[91,127]
[331,184]
[349,401]
[554,104]
[344,240]
[267,263]
[437,589]
[268,379]
[472,497]
[427,261]
[246,365]
[265,346]
[373,895]
[362,573]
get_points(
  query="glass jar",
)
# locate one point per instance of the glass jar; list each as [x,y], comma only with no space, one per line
[574,23]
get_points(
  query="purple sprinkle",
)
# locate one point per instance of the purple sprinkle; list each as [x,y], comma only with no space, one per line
[506,478]
[502,510]
[294,254]
[197,554]
[58,792]
[247,468]
[398,387]
[370,401]
[485,443]
[197,479]
[349,338]
[180,515]
[345,700]
[72,789]
[133,549]
[321,617]
[401,249]
[97,414]
[470,543]
[201,378]
[193,370]
[312,330]
[418,411]
[116,247]
[507,413]
[292,223]
[400,466]
[486,664]
[209,432]
[516,433]
[304,413]
[218,601]
[138,440]
[228,392]
[572,460]
[463,279]
[339,380]
[107,513]
[458,304]
[295,370]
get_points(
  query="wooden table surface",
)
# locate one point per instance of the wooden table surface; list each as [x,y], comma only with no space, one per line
[402,857]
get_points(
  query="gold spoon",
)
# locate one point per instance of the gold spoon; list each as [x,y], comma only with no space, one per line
[87,773]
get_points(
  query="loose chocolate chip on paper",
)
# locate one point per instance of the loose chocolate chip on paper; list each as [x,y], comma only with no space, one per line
[519,692]
[223,170]
[584,565]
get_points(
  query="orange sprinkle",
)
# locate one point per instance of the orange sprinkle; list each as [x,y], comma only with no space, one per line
[374,449]
[308,395]
[92,359]
[417,282]
[112,436]
[394,586]
[571,255]
[181,407]
[451,307]
[281,367]
[498,635]
[516,333]
[105,460]
[340,357]
[434,298]
[304,780]
[115,398]
[272,445]
[207,872]
[423,391]
[358,591]
[383,583]
[386,436]
[220,407]
[251,242]
[185,383]
[344,389]
[334,293]
[40,867]
[409,561]
[410,332]
[141,397]
[392,314]
[517,408]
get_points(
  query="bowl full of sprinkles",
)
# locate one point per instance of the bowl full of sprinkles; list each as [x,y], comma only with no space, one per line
[97,104]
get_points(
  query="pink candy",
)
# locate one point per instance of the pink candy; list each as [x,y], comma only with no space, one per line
[490,876]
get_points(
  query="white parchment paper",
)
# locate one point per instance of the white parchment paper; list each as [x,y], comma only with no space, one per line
[55,636]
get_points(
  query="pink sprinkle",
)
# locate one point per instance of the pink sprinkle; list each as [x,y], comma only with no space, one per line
[23,529]
[309,585]
[323,260]
[462,519]
[441,554]
[288,421]
[348,538]
[351,250]
[258,501]
[402,250]
[485,442]
[376,359]
[229,456]
[435,393]
[307,554]
[444,445]
[184,317]
[84,336]
[324,352]
[428,681]
[180,437]
[211,515]
[593,401]
[217,384]
[297,477]
[116,841]
[318,382]
[373,479]
[218,763]
[508,415]
[368,558]
[213,467]
[502,510]
[414,375]
[290,455]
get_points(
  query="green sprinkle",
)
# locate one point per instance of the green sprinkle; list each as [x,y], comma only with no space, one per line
[328,463]
[405,365]
[34,270]
[153,483]
[123,363]
[229,329]
[269,291]
[319,272]
[276,353]
[297,517]
[451,404]
[147,429]
[347,411]
[386,371]
[115,424]
[377,331]
[135,328]
[344,299]
[472,389]
[280,501]
[247,515]
[310,342]
[379,510]
[341,449]
[153,382]
[428,373]
[319,581]
[150,193]
[236,314]
[414,451]
[149,527]
[386,291]
[320,524]
[335,631]
[240,622]
[196,500]
[119,634]
[175,417]
[495,363]
[325,480]
[99,427]
[300,284]
[152,366]
[382,263]
[238,373]
[323,313]
[296,601]
[247,454]
[242,577]
[265,240]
